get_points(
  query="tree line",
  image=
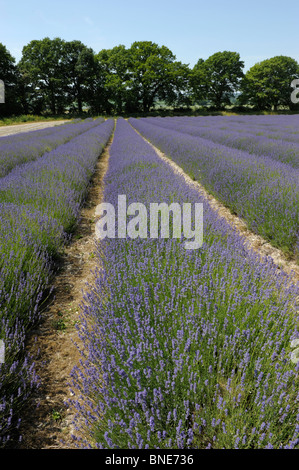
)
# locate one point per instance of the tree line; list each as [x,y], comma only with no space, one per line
[57,76]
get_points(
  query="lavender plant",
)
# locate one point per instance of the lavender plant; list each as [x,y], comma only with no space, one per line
[39,205]
[183,349]
[25,147]
[279,146]
[263,191]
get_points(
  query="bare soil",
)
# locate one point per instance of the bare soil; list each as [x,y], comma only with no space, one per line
[27,127]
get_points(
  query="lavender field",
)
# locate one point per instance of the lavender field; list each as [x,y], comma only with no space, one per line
[184,349]
[25,147]
[39,204]
[181,348]
[238,161]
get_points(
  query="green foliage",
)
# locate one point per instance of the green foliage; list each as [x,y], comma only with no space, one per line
[57,76]
[79,66]
[137,77]
[9,75]
[113,68]
[267,84]
[56,415]
[155,74]
[42,69]
[217,78]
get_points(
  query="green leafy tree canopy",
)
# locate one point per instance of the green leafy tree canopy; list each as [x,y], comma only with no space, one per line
[217,78]
[267,84]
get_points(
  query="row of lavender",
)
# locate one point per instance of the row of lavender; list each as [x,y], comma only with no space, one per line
[183,348]
[39,205]
[260,189]
[271,127]
[25,147]
[281,148]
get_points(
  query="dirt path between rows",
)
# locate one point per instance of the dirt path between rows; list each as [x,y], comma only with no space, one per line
[27,127]
[47,421]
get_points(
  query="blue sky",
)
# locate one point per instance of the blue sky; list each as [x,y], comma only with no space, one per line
[191,29]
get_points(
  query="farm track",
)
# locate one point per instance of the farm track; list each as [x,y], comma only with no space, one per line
[27,127]
[47,421]
[253,241]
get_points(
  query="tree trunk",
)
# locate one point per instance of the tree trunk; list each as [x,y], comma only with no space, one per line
[79,98]
[79,104]
[53,103]
[147,103]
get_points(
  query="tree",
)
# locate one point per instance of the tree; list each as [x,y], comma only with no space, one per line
[79,70]
[154,74]
[42,67]
[197,82]
[178,93]
[217,78]
[114,70]
[267,84]
[9,75]
[58,74]
[97,96]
